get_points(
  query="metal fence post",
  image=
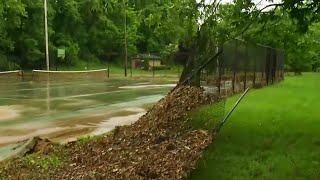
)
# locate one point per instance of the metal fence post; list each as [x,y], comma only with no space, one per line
[153,67]
[233,81]
[108,69]
[245,81]
[131,69]
[254,73]
[245,67]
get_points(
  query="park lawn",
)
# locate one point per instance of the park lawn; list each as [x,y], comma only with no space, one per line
[273,134]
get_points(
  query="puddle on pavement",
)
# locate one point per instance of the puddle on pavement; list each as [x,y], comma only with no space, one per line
[98,125]
[67,130]
[66,111]
[9,112]
[139,86]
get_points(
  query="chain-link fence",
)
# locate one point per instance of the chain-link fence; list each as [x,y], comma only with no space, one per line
[137,65]
[240,65]
[243,65]
[154,65]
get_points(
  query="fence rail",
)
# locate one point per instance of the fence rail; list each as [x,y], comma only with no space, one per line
[240,65]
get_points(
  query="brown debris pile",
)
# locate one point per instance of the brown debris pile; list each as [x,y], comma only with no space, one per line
[158,146]
[40,145]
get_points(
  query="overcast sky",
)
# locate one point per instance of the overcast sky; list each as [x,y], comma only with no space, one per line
[262,4]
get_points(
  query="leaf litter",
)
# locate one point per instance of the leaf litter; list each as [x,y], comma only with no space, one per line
[160,145]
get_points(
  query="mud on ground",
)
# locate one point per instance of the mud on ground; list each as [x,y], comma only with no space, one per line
[160,145]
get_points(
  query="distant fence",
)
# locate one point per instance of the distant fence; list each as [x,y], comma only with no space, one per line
[143,67]
[172,71]
[41,75]
[242,65]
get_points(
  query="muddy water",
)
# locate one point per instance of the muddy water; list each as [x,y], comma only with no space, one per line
[66,110]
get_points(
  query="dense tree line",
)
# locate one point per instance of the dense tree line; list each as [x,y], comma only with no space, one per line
[89,30]
[93,30]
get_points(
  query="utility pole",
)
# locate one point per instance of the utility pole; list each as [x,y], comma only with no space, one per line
[125,38]
[46,34]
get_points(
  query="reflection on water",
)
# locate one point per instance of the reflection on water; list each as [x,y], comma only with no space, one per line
[142,86]
[48,94]
[109,124]
[70,109]
[9,112]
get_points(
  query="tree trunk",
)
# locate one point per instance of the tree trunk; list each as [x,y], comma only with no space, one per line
[192,71]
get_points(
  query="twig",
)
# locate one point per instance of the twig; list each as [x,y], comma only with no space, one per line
[216,6]
[260,11]
[264,24]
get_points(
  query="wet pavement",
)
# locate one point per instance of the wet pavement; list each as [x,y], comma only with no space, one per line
[64,111]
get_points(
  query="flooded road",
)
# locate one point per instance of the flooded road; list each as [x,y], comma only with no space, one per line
[64,111]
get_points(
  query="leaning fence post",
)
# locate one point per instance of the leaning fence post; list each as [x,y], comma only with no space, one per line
[217,129]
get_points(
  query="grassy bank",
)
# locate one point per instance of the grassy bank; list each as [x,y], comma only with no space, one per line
[274,134]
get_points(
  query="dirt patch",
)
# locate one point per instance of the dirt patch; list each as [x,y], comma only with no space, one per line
[40,145]
[159,145]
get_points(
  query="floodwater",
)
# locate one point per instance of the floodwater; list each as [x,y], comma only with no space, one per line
[64,111]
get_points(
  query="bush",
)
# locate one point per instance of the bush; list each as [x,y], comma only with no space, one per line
[6,65]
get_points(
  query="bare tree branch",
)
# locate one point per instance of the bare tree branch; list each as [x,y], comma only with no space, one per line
[264,24]
[216,6]
[257,15]
[255,7]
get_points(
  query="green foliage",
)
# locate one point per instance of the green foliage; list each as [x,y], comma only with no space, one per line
[281,25]
[45,162]
[206,117]
[7,65]
[88,30]
[87,139]
[280,31]
[93,30]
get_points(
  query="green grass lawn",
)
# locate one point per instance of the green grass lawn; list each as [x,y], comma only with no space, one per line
[273,134]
